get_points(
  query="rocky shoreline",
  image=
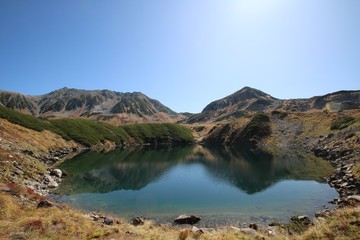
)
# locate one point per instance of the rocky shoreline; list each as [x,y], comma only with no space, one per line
[342,150]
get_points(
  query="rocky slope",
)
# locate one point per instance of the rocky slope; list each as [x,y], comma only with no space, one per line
[106,105]
[249,100]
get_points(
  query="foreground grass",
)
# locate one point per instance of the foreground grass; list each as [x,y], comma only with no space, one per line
[343,224]
[20,219]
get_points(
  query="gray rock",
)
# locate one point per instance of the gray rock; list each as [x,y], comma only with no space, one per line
[53,184]
[108,220]
[304,220]
[187,219]
[323,214]
[56,172]
[197,230]
[354,197]
[5,189]
[19,236]
[270,231]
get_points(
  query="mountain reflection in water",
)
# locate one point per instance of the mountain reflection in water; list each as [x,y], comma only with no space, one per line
[134,169]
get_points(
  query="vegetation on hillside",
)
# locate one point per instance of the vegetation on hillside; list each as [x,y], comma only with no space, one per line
[258,126]
[245,136]
[25,120]
[342,122]
[90,133]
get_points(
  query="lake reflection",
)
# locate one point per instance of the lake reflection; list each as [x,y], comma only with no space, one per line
[219,184]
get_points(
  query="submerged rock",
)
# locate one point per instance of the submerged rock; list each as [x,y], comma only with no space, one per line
[187,219]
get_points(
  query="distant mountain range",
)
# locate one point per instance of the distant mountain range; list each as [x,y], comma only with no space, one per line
[106,105]
[120,108]
[252,100]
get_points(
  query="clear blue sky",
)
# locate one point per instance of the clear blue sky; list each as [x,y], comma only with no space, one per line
[184,53]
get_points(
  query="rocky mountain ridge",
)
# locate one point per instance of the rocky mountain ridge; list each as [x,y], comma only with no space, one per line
[122,108]
[249,100]
[95,104]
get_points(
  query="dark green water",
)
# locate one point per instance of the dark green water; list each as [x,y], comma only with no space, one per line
[223,186]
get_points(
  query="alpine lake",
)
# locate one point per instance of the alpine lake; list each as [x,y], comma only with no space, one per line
[223,186]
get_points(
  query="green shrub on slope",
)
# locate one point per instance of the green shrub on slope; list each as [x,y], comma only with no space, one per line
[89,133]
[342,122]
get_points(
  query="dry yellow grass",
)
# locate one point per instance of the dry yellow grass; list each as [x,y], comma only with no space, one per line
[356,170]
[343,224]
[20,217]
[38,142]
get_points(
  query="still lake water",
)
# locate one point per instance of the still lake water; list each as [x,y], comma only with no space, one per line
[222,186]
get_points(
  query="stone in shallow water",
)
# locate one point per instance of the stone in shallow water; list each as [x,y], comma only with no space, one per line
[187,219]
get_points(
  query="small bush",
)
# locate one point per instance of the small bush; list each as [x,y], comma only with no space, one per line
[342,122]
[258,125]
[280,114]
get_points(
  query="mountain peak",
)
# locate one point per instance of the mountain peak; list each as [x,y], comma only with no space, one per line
[240,100]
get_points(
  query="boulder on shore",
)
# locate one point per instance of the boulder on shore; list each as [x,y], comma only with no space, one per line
[187,219]
[45,204]
[138,221]
[56,172]
[108,220]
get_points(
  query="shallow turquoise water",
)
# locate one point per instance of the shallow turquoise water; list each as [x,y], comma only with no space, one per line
[222,186]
